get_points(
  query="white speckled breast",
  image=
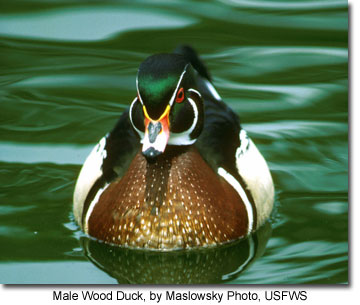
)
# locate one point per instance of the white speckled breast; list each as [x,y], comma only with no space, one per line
[175,202]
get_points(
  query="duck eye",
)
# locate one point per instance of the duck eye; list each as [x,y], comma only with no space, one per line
[180,95]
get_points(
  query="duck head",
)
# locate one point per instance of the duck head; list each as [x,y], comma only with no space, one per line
[168,109]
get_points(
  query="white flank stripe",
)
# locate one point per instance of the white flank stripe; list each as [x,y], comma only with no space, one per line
[236,185]
[90,172]
[92,205]
[252,167]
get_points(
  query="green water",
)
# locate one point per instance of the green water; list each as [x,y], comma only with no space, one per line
[68,71]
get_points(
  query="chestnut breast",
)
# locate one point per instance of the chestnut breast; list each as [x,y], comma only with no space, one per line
[175,202]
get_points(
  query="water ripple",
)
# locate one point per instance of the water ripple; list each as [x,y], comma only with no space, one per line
[297,129]
[258,60]
[42,153]
[87,24]
[7,210]
[283,5]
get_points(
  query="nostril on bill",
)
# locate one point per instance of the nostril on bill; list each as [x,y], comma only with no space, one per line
[154,129]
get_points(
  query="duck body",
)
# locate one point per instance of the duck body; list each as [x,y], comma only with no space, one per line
[189,178]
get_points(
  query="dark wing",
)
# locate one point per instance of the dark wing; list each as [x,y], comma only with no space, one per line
[121,145]
[219,139]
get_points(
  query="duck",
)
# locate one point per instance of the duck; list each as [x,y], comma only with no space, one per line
[177,171]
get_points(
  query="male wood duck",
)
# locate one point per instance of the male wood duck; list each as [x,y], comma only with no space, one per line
[177,170]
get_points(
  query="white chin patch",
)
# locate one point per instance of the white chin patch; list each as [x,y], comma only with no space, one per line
[159,144]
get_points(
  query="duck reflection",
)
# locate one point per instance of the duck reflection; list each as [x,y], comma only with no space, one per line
[201,266]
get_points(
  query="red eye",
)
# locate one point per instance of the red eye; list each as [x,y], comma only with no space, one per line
[180,95]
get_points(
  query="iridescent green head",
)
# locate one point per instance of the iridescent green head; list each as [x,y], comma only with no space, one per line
[158,77]
[168,108]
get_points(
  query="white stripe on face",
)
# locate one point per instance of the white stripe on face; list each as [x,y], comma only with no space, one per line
[183,138]
[177,86]
[141,134]
[137,90]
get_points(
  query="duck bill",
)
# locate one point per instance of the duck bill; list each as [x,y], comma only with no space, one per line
[157,133]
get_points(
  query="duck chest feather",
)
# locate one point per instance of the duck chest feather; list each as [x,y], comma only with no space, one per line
[177,201]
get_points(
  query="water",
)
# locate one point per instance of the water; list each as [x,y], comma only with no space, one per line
[68,71]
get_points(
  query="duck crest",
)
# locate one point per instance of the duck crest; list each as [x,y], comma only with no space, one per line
[161,205]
